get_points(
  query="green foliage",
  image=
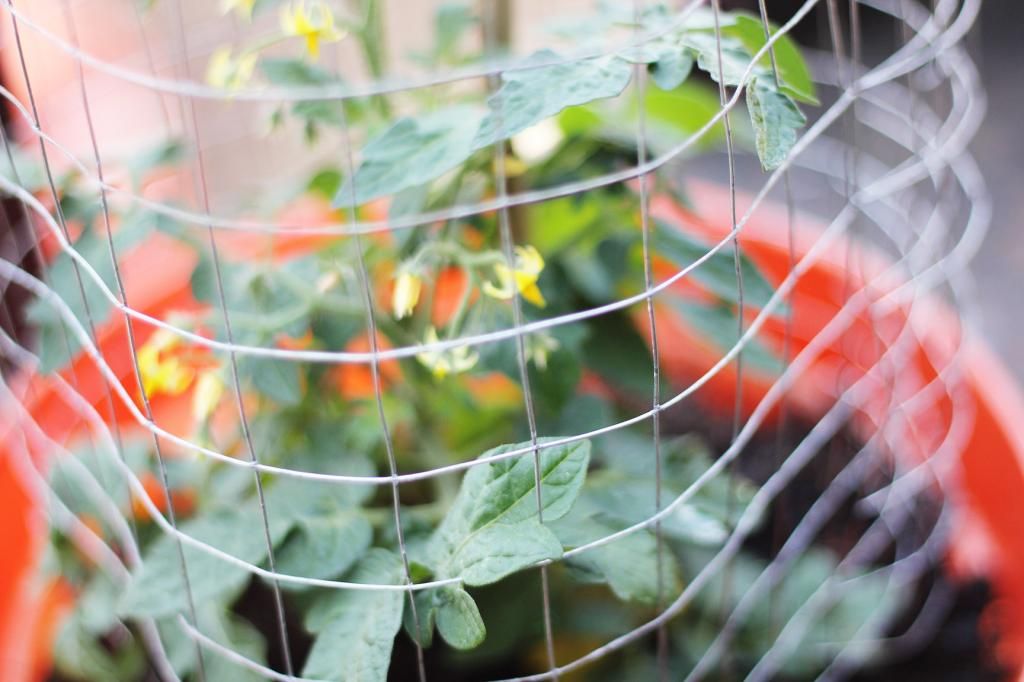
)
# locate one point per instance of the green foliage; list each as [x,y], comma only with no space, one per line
[325,546]
[544,85]
[457,618]
[629,565]
[158,589]
[534,93]
[776,119]
[794,75]
[355,629]
[412,152]
[312,112]
[494,527]
[485,533]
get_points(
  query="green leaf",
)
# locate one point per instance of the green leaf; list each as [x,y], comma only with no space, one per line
[223,627]
[493,527]
[775,118]
[319,450]
[458,618]
[450,23]
[415,151]
[628,564]
[734,62]
[157,589]
[95,607]
[494,552]
[794,75]
[236,634]
[300,73]
[685,109]
[324,547]
[623,491]
[504,491]
[718,273]
[556,224]
[631,500]
[530,95]
[426,614]
[556,383]
[356,628]
[326,182]
[669,72]
[412,152]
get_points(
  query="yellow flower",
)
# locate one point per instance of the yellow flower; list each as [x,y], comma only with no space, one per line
[162,373]
[242,7]
[406,294]
[230,72]
[445,362]
[209,389]
[315,23]
[528,266]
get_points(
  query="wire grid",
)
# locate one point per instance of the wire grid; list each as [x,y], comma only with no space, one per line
[926,206]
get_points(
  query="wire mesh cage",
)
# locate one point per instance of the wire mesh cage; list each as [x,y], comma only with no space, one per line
[626,345]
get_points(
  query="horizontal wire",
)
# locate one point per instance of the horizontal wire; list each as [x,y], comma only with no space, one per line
[899,66]
[747,432]
[472,340]
[355,226]
[800,537]
[456,467]
[949,154]
[335,91]
[148,631]
[330,583]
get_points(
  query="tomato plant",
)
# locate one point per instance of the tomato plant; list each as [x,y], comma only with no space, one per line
[322,404]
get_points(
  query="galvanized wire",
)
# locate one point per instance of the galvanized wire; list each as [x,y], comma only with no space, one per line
[932,248]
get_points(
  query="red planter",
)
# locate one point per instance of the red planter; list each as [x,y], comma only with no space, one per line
[988,537]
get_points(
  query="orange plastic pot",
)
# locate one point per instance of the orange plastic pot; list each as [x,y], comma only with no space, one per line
[988,535]
[988,538]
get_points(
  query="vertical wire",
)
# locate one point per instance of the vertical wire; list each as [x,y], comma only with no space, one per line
[787,337]
[375,374]
[505,231]
[738,403]
[201,186]
[147,51]
[640,74]
[131,340]
[378,391]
